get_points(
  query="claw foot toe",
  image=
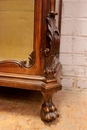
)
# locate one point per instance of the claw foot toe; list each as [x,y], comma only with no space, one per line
[49,112]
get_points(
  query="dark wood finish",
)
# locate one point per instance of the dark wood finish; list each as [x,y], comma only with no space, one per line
[38,74]
[60,16]
[49,111]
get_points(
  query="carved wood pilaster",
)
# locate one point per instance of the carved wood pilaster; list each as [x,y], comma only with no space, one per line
[52,44]
[49,111]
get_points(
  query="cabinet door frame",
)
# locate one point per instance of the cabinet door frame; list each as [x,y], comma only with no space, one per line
[36,62]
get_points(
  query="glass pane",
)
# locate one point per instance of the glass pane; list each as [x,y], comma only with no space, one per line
[16,29]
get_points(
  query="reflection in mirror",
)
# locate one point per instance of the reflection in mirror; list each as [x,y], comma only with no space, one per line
[16,29]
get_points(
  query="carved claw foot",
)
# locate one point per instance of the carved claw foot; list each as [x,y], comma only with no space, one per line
[49,112]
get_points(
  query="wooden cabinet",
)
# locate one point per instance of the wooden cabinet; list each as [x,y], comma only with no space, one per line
[29,47]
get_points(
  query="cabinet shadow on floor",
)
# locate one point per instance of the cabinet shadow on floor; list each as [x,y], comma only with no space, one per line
[19,101]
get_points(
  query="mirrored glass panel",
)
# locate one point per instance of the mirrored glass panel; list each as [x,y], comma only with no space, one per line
[16,29]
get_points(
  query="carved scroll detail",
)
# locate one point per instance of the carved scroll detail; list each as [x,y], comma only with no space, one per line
[15,63]
[52,45]
[31,61]
[31,58]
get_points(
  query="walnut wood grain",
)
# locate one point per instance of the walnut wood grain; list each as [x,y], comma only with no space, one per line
[39,72]
[49,111]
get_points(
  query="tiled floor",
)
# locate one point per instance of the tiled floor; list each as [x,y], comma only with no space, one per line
[20,110]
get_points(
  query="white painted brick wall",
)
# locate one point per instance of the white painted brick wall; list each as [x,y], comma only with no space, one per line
[73,48]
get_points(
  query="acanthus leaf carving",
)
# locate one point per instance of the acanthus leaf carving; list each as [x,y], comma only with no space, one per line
[52,45]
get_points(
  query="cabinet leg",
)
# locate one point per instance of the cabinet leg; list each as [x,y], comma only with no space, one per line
[48,111]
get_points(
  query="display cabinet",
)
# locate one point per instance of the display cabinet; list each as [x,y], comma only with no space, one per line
[29,49]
